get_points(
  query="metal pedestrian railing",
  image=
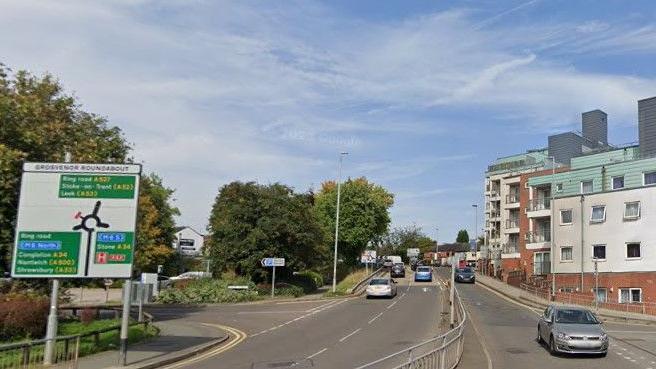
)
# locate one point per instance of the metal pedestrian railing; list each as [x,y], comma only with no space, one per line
[28,355]
[441,352]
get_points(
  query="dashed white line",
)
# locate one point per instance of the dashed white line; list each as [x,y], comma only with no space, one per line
[392,304]
[374,318]
[318,353]
[349,335]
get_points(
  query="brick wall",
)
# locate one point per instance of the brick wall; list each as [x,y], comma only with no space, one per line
[644,280]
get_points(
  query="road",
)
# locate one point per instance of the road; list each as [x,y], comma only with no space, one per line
[507,332]
[339,333]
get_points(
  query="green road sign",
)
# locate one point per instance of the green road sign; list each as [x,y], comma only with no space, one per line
[76,221]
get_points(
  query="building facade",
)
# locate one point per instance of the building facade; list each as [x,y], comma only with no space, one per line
[188,241]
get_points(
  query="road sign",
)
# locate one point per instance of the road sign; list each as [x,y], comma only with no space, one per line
[472,245]
[273,262]
[76,220]
[368,256]
[412,252]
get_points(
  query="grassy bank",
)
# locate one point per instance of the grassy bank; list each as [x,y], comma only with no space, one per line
[348,283]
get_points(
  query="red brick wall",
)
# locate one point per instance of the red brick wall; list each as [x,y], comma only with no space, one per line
[644,280]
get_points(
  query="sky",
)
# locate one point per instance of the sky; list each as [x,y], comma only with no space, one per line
[423,95]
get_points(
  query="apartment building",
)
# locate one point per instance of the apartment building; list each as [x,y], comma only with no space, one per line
[601,216]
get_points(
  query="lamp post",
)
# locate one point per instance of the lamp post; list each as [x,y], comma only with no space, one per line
[475,206]
[551,226]
[339,182]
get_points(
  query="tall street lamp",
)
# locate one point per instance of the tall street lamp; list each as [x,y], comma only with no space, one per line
[339,182]
[552,252]
[475,206]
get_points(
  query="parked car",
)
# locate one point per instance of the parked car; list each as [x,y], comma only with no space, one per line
[424,273]
[465,275]
[381,287]
[398,271]
[573,330]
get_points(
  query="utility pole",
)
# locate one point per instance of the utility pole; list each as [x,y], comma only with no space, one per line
[437,243]
[596,291]
[552,254]
[339,182]
[475,206]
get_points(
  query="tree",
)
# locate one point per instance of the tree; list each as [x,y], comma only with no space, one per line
[250,221]
[463,236]
[155,226]
[364,215]
[400,239]
[39,122]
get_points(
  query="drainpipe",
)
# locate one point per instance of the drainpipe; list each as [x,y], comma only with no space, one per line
[582,238]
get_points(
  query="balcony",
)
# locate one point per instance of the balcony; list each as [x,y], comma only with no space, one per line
[494,194]
[495,213]
[540,207]
[512,201]
[538,239]
[512,226]
[510,250]
[542,267]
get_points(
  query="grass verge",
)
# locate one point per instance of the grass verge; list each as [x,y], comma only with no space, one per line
[347,283]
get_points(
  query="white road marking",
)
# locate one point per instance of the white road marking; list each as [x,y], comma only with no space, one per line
[270,312]
[318,353]
[643,332]
[403,294]
[392,304]
[374,318]
[349,335]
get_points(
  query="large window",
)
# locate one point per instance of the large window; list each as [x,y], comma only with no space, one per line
[633,250]
[649,178]
[598,214]
[632,210]
[566,216]
[566,253]
[586,186]
[618,182]
[601,294]
[629,295]
[599,252]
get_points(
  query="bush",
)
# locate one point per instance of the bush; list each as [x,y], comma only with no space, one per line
[22,316]
[207,291]
[282,289]
[308,280]
[87,315]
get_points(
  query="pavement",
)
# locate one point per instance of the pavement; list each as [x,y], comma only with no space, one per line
[502,334]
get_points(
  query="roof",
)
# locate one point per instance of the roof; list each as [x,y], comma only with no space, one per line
[180,228]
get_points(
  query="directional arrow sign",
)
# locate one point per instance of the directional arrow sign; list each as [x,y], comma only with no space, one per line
[273,262]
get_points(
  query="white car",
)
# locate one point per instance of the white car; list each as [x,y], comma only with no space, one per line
[191,275]
[381,287]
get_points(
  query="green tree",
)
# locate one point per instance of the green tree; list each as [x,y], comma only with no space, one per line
[250,221]
[463,236]
[39,122]
[400,239]
[364,215]
[155,226]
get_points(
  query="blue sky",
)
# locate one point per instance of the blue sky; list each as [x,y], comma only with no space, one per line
[423,94]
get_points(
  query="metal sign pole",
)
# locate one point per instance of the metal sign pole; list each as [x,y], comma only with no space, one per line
[51,330]
[125,322]
[452,290]
[596,294]
[273,282]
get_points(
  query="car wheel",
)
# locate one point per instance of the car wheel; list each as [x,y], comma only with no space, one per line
[552,346]
[603,354]
[539,338]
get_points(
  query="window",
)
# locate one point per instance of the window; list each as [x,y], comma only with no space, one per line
[586,186]
[567,289]
[633,250]
[618,182]
[599,252]
[566,253]
[566,216]
[559,187]
[601,294]
[598,214]
[649,178]
[632,210]
[629,295]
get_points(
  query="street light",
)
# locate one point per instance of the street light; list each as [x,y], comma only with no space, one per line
[437,243]
[475,206]
[552,253]
[339,182]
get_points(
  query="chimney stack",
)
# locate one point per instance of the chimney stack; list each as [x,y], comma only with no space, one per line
[594,126]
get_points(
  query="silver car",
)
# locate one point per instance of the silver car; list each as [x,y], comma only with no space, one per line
[381,287]
[572,329]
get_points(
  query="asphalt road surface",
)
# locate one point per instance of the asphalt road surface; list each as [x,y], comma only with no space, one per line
[505,333]
[330,334]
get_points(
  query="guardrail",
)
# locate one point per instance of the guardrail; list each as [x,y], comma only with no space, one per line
[441,352]
[29,354]
[362,285]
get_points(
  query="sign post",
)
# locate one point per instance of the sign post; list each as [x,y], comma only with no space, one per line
[273,263]
[75,221]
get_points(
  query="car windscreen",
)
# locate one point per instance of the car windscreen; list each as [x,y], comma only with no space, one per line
[464,270]
[423,270]
[575,316]
[379,282]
